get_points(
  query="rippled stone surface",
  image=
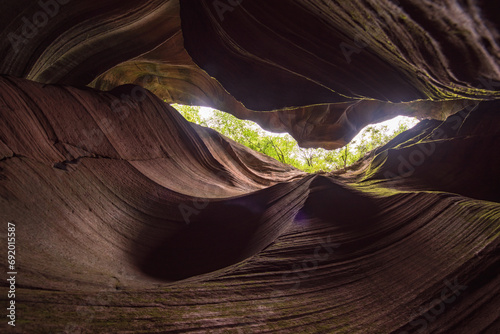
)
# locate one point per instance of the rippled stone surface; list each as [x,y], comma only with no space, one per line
[129,218]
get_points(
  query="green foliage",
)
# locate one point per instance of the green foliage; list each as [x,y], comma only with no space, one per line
[280,147]
[284,148]
[191,113]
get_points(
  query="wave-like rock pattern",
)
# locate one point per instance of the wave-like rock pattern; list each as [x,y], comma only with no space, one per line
[336,51]
[71,42]
[131,219]
[169,72]
[310,68]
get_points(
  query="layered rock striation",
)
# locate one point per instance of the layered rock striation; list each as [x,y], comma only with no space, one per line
[129,218]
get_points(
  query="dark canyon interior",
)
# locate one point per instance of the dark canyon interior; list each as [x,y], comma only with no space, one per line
[128,218]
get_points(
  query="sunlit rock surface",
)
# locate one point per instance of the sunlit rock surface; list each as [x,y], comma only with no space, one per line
[129,218]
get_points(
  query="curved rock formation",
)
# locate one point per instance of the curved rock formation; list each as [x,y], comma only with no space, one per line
[130,219]
[337,51]
[69,43]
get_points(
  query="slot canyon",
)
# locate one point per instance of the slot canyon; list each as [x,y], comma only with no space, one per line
[117,215]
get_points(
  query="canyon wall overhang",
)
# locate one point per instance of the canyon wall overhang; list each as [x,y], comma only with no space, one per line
[293,66]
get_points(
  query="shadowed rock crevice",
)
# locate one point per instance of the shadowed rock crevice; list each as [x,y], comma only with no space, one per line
[221,233]
[430,160]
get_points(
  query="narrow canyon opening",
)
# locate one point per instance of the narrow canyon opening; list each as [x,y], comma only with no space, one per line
[284,148]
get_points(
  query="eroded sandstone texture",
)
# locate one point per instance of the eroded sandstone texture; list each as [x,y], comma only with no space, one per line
[129,218]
